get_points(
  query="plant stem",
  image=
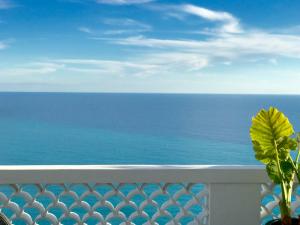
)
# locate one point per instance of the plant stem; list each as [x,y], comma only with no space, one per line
[294,164]
[285,203]
[298,155]
[283,188]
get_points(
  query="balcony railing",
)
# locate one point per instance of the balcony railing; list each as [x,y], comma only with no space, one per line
[212,195]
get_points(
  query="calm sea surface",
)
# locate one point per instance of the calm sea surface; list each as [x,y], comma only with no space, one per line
[61,128]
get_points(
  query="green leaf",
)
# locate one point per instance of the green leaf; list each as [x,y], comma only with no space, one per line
[273,172]
[287,143]
[283,153]
[267,128]
[260,154]
[287,170]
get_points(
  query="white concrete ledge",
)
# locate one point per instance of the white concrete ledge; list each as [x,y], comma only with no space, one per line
[227,174]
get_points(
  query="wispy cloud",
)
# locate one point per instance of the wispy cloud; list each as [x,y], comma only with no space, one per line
[118,32]
[125,26]
[118,26]
[230,23]
[85,30]
[123,2]
[226,21]
[148,65]
[249,44]
[104,67]
[127,23]
[29,69]
[6,4]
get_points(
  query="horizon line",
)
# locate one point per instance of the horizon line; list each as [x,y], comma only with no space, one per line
[148,93]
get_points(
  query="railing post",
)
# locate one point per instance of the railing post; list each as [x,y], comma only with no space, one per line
[234,204]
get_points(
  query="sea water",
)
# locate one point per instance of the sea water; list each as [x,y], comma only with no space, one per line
[82,128]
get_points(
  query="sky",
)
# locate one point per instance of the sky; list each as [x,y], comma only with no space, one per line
[150,46]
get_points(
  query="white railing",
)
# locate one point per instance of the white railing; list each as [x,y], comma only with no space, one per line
[212,195]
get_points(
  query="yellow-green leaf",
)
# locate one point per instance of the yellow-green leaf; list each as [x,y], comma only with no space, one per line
[267,128]
[273,172]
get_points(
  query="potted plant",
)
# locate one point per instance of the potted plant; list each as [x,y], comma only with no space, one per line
[273,139]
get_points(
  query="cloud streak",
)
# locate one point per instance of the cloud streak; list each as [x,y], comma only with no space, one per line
[35,68]
[150,65]
[123,2]
[230,23]
[85,30]
[126,22]
[125,26]
[118,26]
[247,44]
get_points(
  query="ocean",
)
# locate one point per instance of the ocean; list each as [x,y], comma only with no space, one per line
[90,128]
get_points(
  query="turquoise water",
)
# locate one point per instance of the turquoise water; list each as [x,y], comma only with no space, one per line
[40,143]
[45,128]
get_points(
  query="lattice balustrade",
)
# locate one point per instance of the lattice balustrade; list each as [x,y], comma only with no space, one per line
[128,203]
[139,194]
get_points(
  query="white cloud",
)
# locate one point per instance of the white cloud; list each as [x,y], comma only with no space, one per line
[230,23]
[34,68]
[105,67]
[118,26]
[85,30]
[226,22]
[150,64]
[117,32]
[154,42]
[127,23]
[123,2]
[230,46]
[172,62]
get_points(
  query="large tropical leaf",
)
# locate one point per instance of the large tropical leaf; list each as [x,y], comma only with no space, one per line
[267,130]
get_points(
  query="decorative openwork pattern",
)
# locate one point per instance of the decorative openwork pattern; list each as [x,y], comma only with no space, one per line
[271,195]
[105,203]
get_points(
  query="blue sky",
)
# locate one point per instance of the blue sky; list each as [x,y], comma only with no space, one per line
[203,46]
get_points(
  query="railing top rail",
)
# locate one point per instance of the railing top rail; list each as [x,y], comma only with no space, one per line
[132,174]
